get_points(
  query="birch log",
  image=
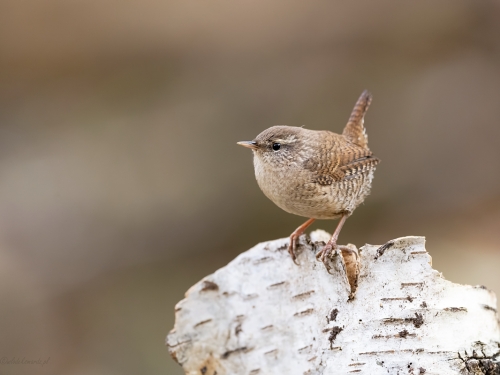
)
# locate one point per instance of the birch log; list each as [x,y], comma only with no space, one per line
[385,311]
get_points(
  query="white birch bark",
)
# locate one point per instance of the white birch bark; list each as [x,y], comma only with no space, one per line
[262,314]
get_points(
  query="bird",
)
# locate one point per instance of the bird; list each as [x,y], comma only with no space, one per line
[316,174]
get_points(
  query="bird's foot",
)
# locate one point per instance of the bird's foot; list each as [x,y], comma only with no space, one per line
[327,251]
[292,246]
[294,237]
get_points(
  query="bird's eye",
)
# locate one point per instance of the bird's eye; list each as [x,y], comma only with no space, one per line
[276,146]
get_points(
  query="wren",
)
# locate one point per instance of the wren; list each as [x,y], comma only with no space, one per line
[316,173]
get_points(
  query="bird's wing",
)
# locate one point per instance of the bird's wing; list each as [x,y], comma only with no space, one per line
[344,164]
[354,131]
[358,166]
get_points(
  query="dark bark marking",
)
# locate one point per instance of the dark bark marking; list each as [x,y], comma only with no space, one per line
[208,286]
[262,260]
[243,349]
[305,312]
[405,285]
[276,284]
[304,348]
[404,333]
[237,330]
[333,315]
[251,296]
[202,322]
[383,248]
[305,294]
[407,298]
[490,308]
[333,335]
[271,351]
[455,309]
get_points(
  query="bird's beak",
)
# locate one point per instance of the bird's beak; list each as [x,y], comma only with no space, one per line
[248,144]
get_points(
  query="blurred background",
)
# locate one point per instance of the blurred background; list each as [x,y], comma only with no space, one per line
[122,184]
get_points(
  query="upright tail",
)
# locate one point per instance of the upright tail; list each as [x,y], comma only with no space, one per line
[354,131]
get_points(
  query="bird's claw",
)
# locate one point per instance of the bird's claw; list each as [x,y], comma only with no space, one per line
[291,249]
[326,252]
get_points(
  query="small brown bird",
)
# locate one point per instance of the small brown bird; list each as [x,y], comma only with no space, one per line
[316,173]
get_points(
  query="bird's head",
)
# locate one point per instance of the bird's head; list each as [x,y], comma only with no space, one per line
[279,145]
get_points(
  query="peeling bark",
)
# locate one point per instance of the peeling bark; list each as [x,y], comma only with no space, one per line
[385,311]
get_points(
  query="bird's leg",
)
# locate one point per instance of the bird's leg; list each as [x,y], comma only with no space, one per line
[295,236]
[330,245]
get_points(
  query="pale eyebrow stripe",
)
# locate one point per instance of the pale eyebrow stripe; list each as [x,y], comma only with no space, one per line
[294,139]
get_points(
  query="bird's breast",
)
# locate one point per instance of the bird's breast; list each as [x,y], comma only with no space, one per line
[293,189]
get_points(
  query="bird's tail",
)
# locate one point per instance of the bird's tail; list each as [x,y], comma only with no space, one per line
[354,131]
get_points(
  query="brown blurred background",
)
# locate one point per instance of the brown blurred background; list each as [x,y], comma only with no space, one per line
[122,185]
